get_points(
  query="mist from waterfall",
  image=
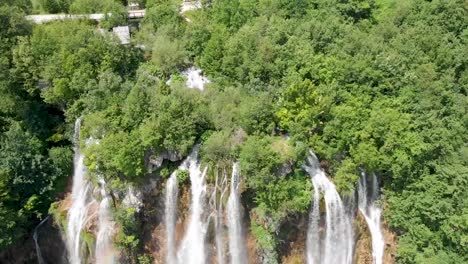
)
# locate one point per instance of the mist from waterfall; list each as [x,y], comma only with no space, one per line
[192,249]
[81,198]
[237,242]
[104,249]
[372,213]
[329,242]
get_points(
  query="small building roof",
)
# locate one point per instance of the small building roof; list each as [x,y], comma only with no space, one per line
[123,33]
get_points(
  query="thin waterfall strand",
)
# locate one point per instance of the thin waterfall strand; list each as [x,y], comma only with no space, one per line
[81,192]
[372,212]
[40,259]
[335,245]
[237,248]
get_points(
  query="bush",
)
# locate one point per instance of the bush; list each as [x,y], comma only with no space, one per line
[217,147]
[182,176]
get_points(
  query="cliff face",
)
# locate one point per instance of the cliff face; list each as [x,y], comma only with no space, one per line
[50,242]
[22,255]
[292,234]
[391,243]
[149,200]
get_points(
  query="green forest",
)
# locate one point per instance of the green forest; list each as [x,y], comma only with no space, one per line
[374,85]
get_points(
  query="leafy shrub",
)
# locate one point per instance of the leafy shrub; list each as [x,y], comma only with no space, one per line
[182,176]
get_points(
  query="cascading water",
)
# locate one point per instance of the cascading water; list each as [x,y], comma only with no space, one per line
[40,260]
[216,203]
[371,212]
[81,197]
[334,245]
[104,250]
[172,192]
[192,249]
[237,248]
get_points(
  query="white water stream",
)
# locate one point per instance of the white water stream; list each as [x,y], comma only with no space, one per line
[172,192]
[104,250]
[237,242]
[192,249]
[372,212]
[329,240]
[216,204]
[81,198]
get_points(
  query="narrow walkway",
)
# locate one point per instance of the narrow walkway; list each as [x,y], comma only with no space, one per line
[39,19]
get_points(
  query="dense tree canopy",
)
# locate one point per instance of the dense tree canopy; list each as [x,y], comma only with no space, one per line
[376,85]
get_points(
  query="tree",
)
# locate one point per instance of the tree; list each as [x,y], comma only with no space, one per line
[28,181]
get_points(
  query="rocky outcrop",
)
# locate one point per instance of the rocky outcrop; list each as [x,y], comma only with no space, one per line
[155,160]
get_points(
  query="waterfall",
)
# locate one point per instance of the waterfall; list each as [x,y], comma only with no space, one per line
[192,249]
[172,192]
[237,248]
[371,212]
[334,243]
[81,197]
[104,250]
[216,203]
[40,260]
